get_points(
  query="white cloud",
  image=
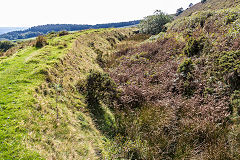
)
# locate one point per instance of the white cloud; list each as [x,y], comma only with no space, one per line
[36,12]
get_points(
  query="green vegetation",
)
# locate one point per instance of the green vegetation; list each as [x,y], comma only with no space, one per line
[5,45]
[42,113]
[100,87]
[180,89]
[45,29]
[40,41]
[154,24]
[210,5]
[194,47]
[186,66]
[179,11]
[120,94]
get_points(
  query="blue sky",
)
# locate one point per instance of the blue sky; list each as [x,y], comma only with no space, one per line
[26,13]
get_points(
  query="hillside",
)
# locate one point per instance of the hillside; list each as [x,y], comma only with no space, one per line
[120,94]
[45,29]
[180,90]
[210,5]
[10,29]
[42,112]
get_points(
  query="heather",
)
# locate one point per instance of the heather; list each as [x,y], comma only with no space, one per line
[179,93]
[172,92]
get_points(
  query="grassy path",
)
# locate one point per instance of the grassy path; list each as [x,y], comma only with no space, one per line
[29,128]
[19,75]
[15,81]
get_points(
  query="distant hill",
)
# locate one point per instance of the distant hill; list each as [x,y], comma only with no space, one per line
[10,29]
[44,29]
[210,4]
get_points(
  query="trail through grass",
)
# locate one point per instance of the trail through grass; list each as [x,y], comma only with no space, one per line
[29,128]
[19,75]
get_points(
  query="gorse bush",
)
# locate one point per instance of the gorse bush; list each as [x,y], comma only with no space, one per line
[228,61]
[154,24]
[227,66]
[62,33]
[100,59]
[186,69]
[186,66]
[5,45]
[41,41]
[194,46]
[235,102]
[100,87]
[101,94]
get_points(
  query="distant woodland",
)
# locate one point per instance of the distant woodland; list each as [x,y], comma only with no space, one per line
[44,29]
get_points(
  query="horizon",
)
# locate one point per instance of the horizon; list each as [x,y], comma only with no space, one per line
[26,13]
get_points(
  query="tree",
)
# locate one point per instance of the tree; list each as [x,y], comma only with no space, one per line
[203,1]
[190,5]
[154,24]
[179,11]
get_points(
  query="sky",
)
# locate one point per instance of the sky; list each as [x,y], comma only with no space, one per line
[27,13]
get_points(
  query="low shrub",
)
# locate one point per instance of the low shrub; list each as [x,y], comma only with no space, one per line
[5,45]
[227,62]
[62,33]
[133,97]
[186,66]
[100,60]
[235,102]
[186,77]
[112,41]
[101,93]
[227,67]
[100,87]
[41,41]
[230,18]
[194,46]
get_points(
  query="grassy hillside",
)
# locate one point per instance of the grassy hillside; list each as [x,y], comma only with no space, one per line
[180,89]
[175,95]
[45,29]
[210,5]
[42,113]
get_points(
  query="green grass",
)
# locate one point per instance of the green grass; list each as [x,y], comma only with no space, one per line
[29,128]
[16,78]
[19,75]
